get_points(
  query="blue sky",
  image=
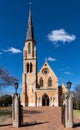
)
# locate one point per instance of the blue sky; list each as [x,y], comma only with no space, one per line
[57,34]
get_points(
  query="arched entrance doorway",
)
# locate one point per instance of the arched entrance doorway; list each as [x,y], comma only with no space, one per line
[45,100]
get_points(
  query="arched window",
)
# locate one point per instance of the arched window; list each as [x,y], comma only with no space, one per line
[49,82]
[29,48]
[41,82]
[30,67]
[27,67]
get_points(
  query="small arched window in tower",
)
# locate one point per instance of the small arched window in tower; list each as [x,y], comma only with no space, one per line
[30,67]
[29,48]
[27,67]
[49,82]
[41,82]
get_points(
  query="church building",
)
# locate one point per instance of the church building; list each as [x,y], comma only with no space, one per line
[38,89]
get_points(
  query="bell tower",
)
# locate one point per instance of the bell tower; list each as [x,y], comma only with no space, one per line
[29,66]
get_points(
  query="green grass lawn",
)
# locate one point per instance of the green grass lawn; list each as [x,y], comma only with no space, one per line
[76,113]
[5,112]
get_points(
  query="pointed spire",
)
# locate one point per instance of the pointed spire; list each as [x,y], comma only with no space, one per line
[30,32]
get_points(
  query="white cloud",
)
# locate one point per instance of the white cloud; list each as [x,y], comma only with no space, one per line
[67,73]
[13,50]
[60,36]
[51,59]
[63,69]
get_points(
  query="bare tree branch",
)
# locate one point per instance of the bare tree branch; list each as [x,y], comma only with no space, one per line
[5,78]
[77,88]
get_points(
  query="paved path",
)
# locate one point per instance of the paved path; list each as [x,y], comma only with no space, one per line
[41,118]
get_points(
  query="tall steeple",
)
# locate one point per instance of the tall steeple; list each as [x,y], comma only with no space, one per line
[30,32]
[29,79]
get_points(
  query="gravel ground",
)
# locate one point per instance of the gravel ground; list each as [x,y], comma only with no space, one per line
[40,118]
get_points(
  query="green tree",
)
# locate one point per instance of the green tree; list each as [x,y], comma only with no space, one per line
[5,100]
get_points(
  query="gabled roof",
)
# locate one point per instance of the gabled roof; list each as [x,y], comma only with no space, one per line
[46,65]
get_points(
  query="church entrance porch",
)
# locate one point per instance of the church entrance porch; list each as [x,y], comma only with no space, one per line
[45,100]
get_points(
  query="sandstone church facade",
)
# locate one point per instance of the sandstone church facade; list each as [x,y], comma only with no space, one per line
[38,89]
